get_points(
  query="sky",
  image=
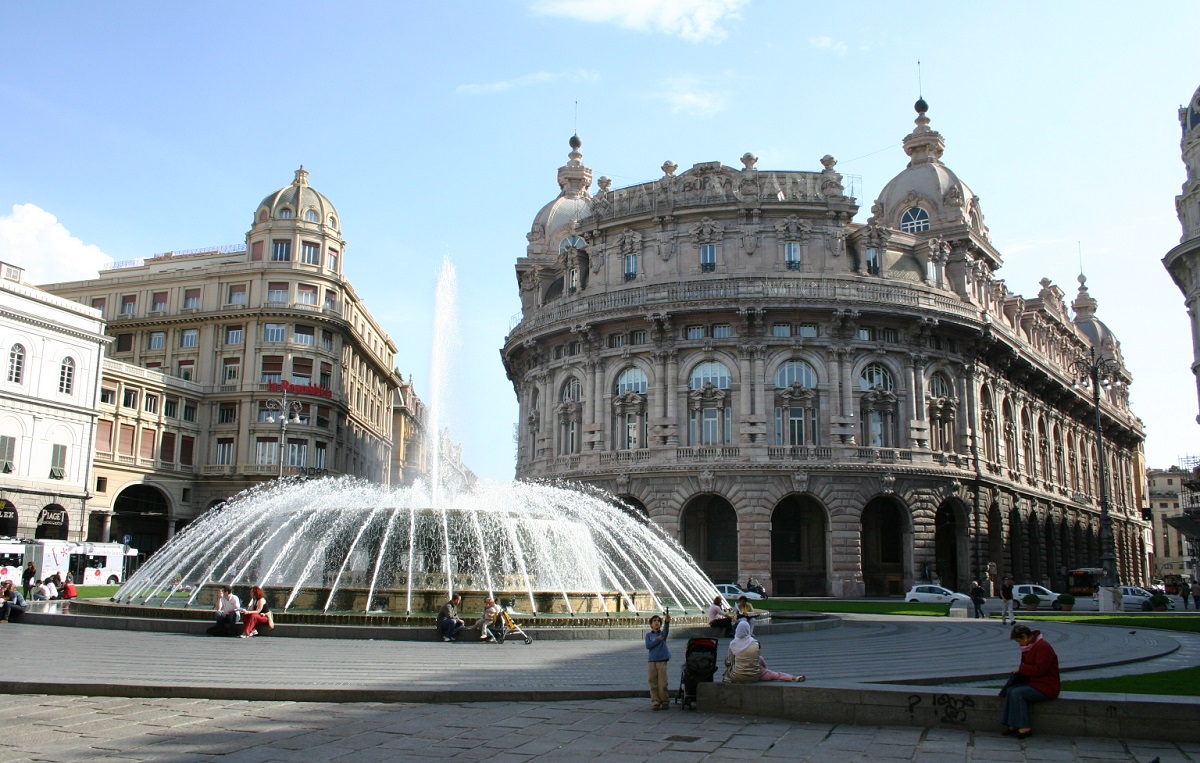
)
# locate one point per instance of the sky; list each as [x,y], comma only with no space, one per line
[436,129]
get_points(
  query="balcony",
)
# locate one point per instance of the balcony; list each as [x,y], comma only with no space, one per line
[799,453]
[609,458]
[708,453]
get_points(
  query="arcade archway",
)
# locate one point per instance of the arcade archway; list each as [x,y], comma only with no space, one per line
[950,545]
[140,512]
[798,559]
[8,519]
[883,541]
[52,523]
[708,531]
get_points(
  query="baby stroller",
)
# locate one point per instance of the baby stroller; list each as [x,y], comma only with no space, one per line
[504,626]
[699,664]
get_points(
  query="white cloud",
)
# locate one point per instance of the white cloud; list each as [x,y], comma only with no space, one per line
[689,95]
[525,80]
[828,43]
[693,20]
[33,239]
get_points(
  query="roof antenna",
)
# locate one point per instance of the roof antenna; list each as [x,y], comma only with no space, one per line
[1079,245]
[576,116]
[920,89]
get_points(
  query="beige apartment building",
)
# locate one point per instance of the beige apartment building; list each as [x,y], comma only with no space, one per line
[235,365]
[833,407]
[1165,498]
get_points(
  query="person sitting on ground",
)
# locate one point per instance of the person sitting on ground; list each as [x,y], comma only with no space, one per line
[718,617]
[13,603]
[228,607]
[42,591]
[256,614]
[448,621]
[69,592]
[745,663]
[1035,680]
[488,620]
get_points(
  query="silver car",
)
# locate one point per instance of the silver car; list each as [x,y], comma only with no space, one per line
[1135,599]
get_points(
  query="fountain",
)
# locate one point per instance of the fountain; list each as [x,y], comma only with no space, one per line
[343,545]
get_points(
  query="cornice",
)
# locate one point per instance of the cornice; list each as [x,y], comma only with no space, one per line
[54,328]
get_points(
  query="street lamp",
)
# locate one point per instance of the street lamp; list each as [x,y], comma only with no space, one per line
[1096,371]
[288,412]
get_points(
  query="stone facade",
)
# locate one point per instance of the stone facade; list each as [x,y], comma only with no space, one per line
[833,407]
[52,351]
[1172,553]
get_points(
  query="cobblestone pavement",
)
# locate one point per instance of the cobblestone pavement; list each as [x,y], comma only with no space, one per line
[39,728]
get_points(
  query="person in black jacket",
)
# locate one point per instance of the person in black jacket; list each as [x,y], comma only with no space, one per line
[978,598]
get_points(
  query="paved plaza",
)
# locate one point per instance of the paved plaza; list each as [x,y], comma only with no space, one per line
[554,700]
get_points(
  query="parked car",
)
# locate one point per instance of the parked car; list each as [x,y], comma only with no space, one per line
[1135,598]
[935,594]
[731,592]
[1045,595]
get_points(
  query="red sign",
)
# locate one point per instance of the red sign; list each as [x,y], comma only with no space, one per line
[299,389]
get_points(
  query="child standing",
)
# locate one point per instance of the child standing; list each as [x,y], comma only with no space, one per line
[656,643]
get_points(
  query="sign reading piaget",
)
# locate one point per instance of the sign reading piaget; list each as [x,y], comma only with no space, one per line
[299,389]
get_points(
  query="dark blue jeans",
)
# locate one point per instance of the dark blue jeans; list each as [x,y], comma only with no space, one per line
[449,628]
[1016,706]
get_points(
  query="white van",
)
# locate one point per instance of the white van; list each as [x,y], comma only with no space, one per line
[12,560]
[100,563]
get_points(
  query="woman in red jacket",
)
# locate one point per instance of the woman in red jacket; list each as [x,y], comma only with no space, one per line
[1036,680]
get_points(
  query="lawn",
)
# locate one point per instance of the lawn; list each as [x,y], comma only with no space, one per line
[97,591]
[1184,623]
[850,606]
[1180,683]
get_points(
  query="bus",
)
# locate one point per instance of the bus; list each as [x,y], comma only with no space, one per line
[12,559]
[1084,581]
[85,563]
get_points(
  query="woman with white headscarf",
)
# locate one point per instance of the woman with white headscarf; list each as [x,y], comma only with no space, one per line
[744,663]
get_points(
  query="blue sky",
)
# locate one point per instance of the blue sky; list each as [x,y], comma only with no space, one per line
[436,129]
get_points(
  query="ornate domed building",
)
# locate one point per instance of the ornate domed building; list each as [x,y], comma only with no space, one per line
[838,408]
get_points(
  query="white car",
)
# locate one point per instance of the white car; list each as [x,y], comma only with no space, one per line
[1135,599]
[935,594]
[1045,595]
[732,592]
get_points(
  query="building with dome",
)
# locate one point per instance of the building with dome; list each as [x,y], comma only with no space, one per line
[833,407]
[209,345]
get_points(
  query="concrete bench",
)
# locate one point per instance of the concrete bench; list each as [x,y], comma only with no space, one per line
[1118,716]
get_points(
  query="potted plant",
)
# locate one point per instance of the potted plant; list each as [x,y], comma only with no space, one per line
[1066,601]
[1031,601]
[1158,602]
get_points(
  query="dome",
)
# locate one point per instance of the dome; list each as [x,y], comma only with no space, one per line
[1096,330]
[1190,115]
[573,203]
[927,194]
[298,201]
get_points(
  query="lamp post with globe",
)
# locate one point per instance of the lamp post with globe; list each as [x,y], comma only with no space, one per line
[286,412]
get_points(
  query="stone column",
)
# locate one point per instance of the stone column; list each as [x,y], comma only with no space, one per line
[672,396]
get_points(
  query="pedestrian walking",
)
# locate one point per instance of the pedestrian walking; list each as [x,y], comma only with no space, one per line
[657,658]
[1185,591]
[1006,601]
[978,598]
[27,579]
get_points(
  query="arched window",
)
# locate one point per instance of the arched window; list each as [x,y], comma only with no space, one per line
[943,409]
[310,215]
[796,410]
[630,420]
[570,413]
[333,222]
[571,242]
[66,377]
[285,214]
[16,364]
[914,220]
[710,413]
[878,406]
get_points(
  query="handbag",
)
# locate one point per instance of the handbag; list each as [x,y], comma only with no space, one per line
[1016,679]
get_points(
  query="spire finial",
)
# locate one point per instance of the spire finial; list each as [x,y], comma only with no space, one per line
[301,176]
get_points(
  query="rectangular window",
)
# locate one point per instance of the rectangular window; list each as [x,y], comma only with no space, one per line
[99,304]
[189,411]
[807,330]
[237,294]
[722,331]
[129,304]
[326,380]
[616,340]
[333,260]
[323,416]
[631,266]
[189,338]
[187,446]
[231,370]
[186,369]
[124,342]
[327,340]
[310,253]
[302,370]
[8,449]
[227,413]
[694,332]
[272,369]
[306,294]
[275,332]
[277,291]
[157,340]
[191,299]
[304,335]
[125,439]
[102,484]
[331,299]
[281,251]
[781,330]
[297,454]
[58,462]
[147,445]
[233,335]
[638,337]
[791,255]
[319,456]
[130,399]
[151,404]
[166,448]
[872,261]
[224,454]
[708,258]
[158,303]
[104,430]
[171,407]
[266,451]
[108,396]
[265,414]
